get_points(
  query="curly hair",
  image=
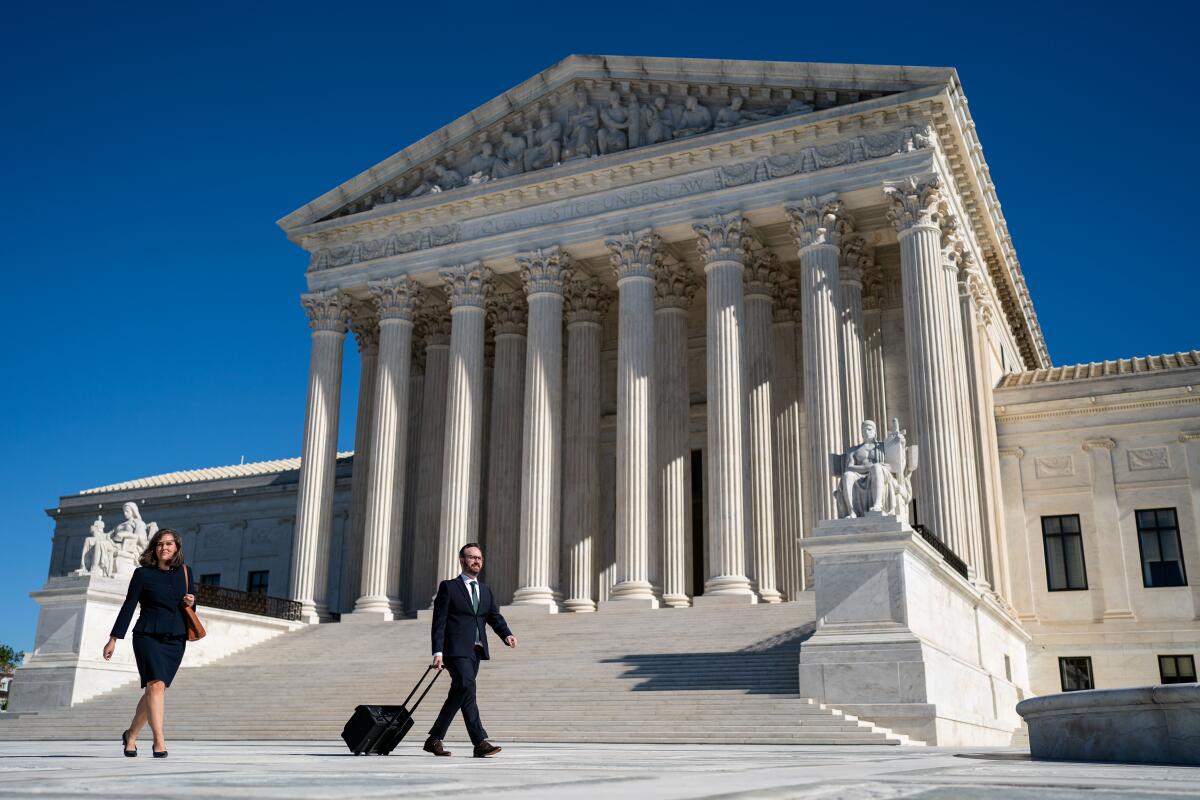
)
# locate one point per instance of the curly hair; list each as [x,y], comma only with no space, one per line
[150,555]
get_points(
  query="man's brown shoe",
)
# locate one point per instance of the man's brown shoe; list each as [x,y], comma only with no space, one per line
[486,749]
[434,746]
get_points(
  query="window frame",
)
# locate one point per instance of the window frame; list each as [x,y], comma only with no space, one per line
[1158,530]
[1162,678]
[266,583]
[216,583]
[1062,674]
[1046,537]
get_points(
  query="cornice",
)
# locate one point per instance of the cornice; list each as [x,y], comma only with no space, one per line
[1092,410]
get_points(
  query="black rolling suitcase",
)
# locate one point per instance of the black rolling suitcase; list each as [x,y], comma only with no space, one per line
[378,729]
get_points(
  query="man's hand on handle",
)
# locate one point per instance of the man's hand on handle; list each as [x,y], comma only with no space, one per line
[437,663]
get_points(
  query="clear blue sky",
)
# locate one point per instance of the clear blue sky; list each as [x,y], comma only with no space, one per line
[151,302]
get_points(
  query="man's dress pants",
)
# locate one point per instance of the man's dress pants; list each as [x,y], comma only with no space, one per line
[463,670]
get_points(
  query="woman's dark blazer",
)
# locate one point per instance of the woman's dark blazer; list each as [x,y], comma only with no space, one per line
[160,595]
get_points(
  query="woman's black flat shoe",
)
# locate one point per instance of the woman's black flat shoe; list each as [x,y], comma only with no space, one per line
[157,754]
[125,743]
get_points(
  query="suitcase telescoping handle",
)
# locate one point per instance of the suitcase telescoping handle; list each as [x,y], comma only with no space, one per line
[427,688]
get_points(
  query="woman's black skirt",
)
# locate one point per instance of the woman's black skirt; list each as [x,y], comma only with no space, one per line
[158,656]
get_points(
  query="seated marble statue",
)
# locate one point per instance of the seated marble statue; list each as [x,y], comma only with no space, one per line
[102,551]
[583,120]
[545,143]
[615,119]
[479,168]
[875,476]
[694,119]
[132,535]
[511,158]
[658,123]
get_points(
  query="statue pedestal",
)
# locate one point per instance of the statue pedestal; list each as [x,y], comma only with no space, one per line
[906,642]
[67,665]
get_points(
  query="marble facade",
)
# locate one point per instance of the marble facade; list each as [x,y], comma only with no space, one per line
[620,324]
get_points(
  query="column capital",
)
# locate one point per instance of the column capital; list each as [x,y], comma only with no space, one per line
[635,254]
[467,284]
[395,298]
[508,312]
[722,237]
[1012,452]
[544,270]
[787,300]
[675,286]
[585,300]
[857,258]
[818,221]
[915,201]
[762,273]
[327,311]
[1189,436]
[434,316]
[364,322]
[1101,443]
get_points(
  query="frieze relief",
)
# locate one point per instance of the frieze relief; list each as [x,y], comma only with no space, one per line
[766,168]
[1054,466]
[1144,458]
[586,123]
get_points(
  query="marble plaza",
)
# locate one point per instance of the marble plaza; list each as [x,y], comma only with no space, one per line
[669,333]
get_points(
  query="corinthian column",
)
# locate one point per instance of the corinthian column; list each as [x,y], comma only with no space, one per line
[635,258]
[818,224]
[541,458]
[364,321]
[761,275]
[327,314]
[850,283]
[507,313]
[586,303]
[722,247]
[435,319]
[873,372]
[674,289]
[393,300]
[916,213]
[789,448]
[467,286]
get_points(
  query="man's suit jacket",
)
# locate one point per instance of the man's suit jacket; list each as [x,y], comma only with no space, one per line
[456,627]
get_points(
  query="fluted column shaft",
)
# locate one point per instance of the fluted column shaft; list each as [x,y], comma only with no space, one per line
[365,325]
[635,259]
[462,458]
[504,445]
[433,431]
[586,305]
[327,314]
[761,276]
[723,250]
[789,458]
[933,383]
[400,582]
[817,225]
[675,289]
[975,426]
[541,454]
[387,454]
[850,287]
[873,370]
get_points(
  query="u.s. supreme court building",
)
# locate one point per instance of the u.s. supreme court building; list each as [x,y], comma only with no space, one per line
[621,323]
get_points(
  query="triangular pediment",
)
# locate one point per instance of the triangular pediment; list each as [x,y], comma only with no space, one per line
[588,107]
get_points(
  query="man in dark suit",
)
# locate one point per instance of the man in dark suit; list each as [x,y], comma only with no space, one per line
[461,608]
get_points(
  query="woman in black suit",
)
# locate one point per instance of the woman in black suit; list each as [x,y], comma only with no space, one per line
[159,585]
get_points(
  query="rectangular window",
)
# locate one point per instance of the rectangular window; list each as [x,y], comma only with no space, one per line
[1177,669]
[1076,673]
[1065,570]
[211,579]
[257,581]
[1158,542]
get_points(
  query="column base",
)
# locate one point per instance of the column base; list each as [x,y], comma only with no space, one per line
[676,601]
[770,596]
[628,604]
[633,590]
[579,606]
[729,585]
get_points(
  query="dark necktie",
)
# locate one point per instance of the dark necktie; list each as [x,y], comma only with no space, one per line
[474,597]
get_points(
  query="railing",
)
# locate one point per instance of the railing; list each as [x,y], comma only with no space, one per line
[952,560]
[248,602]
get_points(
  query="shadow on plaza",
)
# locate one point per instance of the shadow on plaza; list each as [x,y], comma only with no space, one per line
[766,667]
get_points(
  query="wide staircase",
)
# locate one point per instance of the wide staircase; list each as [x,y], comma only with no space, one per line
[699,675]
